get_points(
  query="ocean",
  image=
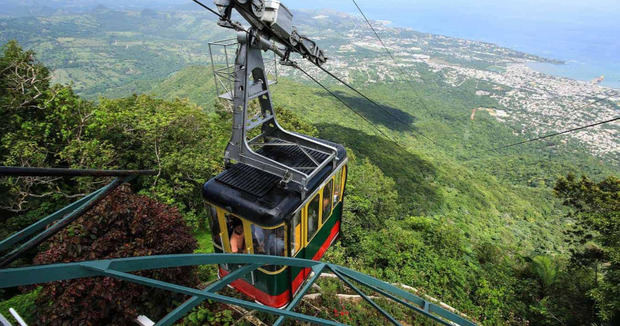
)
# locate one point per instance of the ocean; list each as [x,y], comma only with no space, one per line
[583,34]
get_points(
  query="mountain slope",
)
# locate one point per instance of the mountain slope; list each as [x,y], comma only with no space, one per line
[429,180]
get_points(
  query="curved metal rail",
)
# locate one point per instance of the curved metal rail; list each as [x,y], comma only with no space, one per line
[46,227]
[123,267]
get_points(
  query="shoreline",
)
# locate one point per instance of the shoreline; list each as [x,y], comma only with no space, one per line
[577,71]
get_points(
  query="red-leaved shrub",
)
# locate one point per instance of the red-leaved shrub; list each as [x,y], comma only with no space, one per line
[121,225]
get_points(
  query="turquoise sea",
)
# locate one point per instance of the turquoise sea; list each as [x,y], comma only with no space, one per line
[581,71]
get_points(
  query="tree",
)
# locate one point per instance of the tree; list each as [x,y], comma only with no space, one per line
[371,200]
[175,138]
[596,236]
[121,225]
[50,126]
[38,122]
[24,82]
[546,270]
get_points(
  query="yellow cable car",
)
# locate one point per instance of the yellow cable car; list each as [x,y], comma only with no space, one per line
[252,212]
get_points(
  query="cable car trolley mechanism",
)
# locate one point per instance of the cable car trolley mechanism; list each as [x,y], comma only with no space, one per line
[282,192]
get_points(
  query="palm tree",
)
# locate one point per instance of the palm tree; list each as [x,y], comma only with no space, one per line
[546,270]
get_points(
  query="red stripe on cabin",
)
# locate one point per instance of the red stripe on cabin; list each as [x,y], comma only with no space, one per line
[332,235]
[280,300]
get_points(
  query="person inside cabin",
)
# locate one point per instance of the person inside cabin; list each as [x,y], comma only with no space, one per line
[258,239]
[237,239]
[275,243]
[327,200]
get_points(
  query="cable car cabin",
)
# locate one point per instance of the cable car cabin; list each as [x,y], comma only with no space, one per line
[252,213]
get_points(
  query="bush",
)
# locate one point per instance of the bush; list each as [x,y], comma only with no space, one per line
[371,199]
[24,304]
[122,225]
[209,314]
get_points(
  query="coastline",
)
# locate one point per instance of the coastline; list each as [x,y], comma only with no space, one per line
[579,71]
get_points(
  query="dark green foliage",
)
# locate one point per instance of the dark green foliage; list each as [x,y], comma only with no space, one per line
[209,314]
[371,200]
[42,124]
[122,225]
[177,139]
[23,81]
[596,237]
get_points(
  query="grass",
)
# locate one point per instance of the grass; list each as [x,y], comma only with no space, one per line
[24,304]
[205,244]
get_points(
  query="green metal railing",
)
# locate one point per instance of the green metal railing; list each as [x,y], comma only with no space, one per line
[123,267]
[46,227]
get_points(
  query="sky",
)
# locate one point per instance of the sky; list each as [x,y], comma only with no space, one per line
[582,11]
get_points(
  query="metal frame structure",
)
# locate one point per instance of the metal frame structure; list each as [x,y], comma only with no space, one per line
[251,82]
[224,69]
[45,228]
[223,76]
[271,27]
[122,268]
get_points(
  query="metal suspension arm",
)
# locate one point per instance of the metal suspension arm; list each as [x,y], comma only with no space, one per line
[274,23]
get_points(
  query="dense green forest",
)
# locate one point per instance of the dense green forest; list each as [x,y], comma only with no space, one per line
[506,238]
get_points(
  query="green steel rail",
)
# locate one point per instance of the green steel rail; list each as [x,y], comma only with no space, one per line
[46,227]
[122,267]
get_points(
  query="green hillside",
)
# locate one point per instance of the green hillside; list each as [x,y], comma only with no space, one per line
[470,220]
[483,193]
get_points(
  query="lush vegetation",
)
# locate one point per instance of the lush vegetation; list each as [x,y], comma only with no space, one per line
[594,265]
[483,232]
[121,225]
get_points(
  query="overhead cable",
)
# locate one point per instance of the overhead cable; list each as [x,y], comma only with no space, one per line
[397,119]
[556,134]
[349,107]
[403,74]
[205,6]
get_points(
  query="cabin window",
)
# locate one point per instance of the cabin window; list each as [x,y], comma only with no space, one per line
[313,216]
[258,239]
[274,244]
[236,232]
[268,241]
[216,233]
[296,233]
[338,186]
[327,200]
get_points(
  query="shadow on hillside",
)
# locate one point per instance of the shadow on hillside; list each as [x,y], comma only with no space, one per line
[413,175]
[388,116]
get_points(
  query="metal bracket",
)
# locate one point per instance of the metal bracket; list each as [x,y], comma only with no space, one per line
[250,82]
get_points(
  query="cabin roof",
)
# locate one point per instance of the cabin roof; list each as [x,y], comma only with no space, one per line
[258,196]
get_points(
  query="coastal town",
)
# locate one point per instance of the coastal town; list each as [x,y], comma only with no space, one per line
[533,103]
